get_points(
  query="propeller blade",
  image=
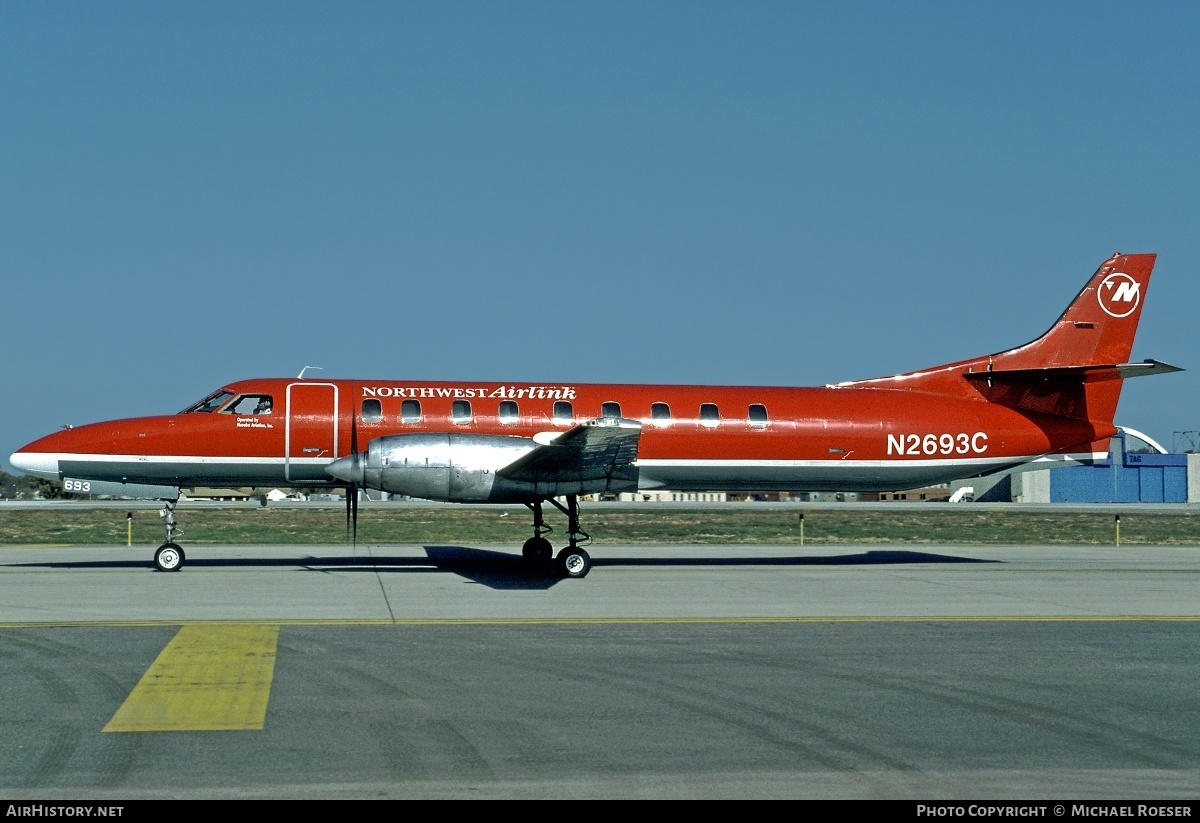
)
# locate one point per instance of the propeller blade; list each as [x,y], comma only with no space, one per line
[352,491]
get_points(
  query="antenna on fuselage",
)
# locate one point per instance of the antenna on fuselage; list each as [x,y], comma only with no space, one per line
[300,376]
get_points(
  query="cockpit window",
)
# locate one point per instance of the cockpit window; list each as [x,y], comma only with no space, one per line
[250,404]
[210,404]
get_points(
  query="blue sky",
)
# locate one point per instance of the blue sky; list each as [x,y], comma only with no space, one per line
[790,193]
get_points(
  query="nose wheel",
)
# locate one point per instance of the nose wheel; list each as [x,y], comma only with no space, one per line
[169,556]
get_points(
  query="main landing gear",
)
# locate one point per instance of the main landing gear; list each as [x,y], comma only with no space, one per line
[572,561]
[169,556]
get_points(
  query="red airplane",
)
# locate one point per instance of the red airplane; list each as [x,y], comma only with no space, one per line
[1048,402]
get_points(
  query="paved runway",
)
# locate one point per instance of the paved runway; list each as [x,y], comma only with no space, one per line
[923,672]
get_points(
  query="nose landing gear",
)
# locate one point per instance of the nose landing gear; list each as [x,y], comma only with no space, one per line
[169,556]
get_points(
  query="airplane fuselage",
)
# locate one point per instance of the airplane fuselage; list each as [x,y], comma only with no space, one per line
[1050,400]
[692,437]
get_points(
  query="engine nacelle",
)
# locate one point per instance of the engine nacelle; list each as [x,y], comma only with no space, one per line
[456,468]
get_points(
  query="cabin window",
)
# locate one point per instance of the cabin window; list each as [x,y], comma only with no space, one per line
[660,413]
[210,403]
[758,415]
[610,409]
[250,404]
[460,411]
[563,412]
[372,410]
[410,411]
[508,412]
[709,416]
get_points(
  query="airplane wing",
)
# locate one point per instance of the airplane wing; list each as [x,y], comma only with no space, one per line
[595,450]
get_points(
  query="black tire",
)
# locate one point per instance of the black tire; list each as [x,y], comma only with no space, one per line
[537,551]
[574,562]
[168,557]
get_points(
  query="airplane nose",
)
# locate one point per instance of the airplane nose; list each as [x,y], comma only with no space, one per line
[39,464]
[348,469]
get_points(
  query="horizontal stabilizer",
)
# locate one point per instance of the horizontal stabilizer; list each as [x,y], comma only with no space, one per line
[1063,391]
[1113,371]
[594,450]
[1146,367]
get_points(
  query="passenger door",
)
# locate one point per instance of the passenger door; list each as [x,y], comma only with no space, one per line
[310,442]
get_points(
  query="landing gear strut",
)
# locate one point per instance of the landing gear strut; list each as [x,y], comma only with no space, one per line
[572,561]
[537,549]
[169,556]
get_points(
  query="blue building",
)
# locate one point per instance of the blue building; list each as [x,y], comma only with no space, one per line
[1138,470]
[1128,476]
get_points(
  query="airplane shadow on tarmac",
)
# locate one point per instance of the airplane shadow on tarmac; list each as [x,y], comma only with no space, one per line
[503,570]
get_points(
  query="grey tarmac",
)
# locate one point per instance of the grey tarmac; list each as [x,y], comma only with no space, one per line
[931,672]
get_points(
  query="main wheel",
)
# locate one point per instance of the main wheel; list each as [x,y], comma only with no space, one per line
[168,557]
[537,550]
[574,562]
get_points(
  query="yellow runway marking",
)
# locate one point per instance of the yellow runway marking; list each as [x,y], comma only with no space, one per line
[208,678]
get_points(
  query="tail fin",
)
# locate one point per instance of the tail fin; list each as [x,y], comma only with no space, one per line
[1098,328]
[1075,370]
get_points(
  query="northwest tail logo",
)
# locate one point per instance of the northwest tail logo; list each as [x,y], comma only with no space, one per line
[1119,294]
